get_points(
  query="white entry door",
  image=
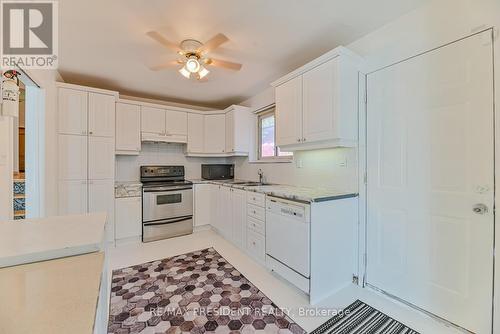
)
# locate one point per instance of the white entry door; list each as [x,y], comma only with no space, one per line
[431,181]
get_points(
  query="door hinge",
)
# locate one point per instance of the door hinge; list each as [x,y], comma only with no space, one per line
[365,178]
[355,279]
[366,98]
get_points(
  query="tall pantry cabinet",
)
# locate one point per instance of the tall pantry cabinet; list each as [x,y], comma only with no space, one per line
[86,151]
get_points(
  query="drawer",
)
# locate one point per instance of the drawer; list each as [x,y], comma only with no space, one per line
[256,245]
[256,225]
[256,212]
[256,198]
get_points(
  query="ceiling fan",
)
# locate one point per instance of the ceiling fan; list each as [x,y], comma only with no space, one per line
[193,55]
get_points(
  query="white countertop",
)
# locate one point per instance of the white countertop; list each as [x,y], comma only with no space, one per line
[57,297]
[32,240]
[295,193]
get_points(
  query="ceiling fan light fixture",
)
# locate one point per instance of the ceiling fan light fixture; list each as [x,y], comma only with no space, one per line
[192,65]
[202,72]
[185,72]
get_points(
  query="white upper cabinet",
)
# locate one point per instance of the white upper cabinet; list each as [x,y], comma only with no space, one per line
[158,124]
[289,112]
[176,123]
[317,105]
[215,133]
[153,120]
[101,116]
[238,126]
[196,137]
[72,109]
[230,131]
[128,129]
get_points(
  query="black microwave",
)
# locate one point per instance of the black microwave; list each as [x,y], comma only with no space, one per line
[217,171]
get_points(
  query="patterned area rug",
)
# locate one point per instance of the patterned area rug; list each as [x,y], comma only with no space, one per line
[362,318]
[196,292]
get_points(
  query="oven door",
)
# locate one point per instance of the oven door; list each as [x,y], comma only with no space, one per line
[166,203]
[168,228]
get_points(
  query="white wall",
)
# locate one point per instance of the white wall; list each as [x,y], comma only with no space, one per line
[320,168]
[46,79]
[127,167]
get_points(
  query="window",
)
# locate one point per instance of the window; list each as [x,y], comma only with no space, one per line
[267,138]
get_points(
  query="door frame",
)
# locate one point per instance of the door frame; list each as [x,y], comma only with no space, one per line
[363,184]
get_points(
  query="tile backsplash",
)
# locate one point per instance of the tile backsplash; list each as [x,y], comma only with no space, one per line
[127,166]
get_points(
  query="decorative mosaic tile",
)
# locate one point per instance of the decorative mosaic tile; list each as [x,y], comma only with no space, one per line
[198,292]
[19,187]
[19,204]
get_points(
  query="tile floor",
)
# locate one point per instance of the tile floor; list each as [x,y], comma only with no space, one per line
[279,291]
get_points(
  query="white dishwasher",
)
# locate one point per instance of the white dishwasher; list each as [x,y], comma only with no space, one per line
[288,237]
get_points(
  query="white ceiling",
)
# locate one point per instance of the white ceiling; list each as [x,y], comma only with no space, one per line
[102,43]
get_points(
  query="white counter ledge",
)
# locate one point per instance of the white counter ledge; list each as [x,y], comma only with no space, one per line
[32,240]
[57,297]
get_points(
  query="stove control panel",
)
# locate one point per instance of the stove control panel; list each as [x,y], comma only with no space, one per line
[162,171]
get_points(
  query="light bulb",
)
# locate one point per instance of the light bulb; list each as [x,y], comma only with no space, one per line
[192,65]
[202,72]
[185,72]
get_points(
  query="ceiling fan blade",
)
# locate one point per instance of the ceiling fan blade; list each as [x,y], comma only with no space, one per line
[165,65]
[225,64]
[163,41]
[213,43]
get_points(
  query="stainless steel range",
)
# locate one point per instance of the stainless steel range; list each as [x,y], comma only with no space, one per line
[167,203]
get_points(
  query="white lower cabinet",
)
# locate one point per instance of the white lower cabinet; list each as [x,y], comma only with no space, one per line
[226,209]
[256,245]
[102,199]
[238,213]
[203,204]
[128,217]
[72,197]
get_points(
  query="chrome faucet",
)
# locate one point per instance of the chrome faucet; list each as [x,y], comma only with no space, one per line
[261,175]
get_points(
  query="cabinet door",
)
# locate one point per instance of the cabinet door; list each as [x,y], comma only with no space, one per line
[128,217]
[202,205]
[72,197]
[289,112]
[195,133]
[176,123]
[239,216]
[226,225]
[101,115]
[101,158]
[72,157]
[215,133]
[230,144]
[319,102]
[153,120]
[102,199]
[72,111]
[128,127]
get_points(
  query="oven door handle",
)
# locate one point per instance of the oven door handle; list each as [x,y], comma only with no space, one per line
[166,190]
[169,221]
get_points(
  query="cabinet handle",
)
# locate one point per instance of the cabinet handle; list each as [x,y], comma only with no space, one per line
[298,140]
[253,243]
[303,139]
[91,132]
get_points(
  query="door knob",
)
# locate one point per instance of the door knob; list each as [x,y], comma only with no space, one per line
[480,209]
